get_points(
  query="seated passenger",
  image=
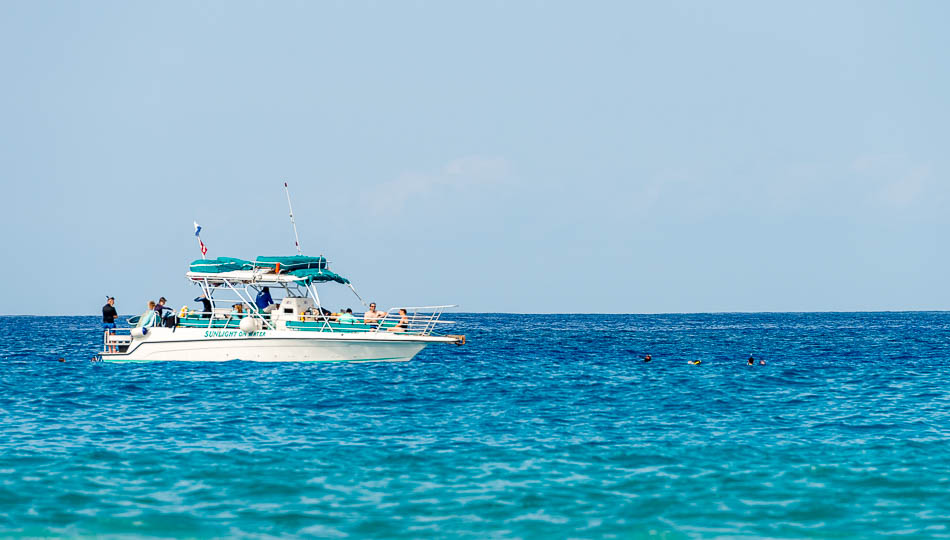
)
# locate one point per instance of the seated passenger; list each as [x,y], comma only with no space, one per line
[372,316]
[263,299]
[347,317]
[149,318]
[403,324]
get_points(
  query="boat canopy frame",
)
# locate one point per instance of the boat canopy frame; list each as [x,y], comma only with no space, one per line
[242,282]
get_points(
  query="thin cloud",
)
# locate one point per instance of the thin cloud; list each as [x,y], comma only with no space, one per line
[456,176]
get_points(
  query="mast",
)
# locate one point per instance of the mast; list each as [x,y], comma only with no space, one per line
[292,222]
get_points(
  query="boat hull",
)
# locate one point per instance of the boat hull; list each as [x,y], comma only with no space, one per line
[200,345]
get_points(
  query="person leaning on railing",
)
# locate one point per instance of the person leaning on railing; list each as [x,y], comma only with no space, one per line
[372,316]
[165,320]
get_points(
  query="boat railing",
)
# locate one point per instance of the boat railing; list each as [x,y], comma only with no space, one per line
[420,320]
[116,340]
[226,317]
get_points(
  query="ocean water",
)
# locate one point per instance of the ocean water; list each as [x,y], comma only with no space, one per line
[542,426]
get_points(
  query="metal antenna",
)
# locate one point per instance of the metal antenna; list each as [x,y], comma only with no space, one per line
[292,222]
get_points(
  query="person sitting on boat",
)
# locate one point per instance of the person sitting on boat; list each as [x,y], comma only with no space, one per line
[347,317]
[403,323]
[205,306]
[150,317]
[263,299]
[239,309]
[372,316]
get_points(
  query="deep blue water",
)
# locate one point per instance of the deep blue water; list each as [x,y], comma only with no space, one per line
[541,426]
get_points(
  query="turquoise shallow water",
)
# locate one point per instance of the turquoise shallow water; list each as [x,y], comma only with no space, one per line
[541,426]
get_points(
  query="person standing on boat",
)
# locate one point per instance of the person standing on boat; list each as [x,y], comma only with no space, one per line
[263,299]
[160,311]
[109,314]
[205,306]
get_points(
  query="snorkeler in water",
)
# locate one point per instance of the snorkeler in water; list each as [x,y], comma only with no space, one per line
[695,362]
[751,361]
[647,358]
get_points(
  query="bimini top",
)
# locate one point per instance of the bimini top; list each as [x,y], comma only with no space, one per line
[292,269]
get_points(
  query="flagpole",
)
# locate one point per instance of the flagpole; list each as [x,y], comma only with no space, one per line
[201,245]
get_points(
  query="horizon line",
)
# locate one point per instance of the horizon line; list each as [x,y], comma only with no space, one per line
[587,312]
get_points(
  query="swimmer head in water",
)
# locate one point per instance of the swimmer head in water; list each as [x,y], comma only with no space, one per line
[647,358]
[751,361]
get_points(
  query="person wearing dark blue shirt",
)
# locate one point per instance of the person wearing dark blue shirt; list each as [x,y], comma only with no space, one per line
[205,306]
[263,298]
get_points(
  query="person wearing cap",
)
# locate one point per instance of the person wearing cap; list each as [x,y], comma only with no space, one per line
[109,314]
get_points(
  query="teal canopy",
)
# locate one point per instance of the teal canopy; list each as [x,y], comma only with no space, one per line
[295,262]
[319,275]
[220,264]
[312,269]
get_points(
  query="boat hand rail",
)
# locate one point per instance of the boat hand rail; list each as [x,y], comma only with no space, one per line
[417,322]
[113,338]
[421,308]
[420,320]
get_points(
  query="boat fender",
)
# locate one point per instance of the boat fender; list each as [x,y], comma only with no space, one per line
[249,325]
[139,332]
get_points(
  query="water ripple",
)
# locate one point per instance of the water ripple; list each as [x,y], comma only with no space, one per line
[539,426]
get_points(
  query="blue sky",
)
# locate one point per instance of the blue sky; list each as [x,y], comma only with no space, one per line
[526,157]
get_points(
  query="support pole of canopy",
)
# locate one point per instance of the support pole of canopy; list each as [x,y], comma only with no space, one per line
[350,285]
[292,222]
[313,291]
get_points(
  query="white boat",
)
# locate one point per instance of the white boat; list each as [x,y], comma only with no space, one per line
[294,329]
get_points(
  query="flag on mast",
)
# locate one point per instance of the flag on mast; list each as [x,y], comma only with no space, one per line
[201,245]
